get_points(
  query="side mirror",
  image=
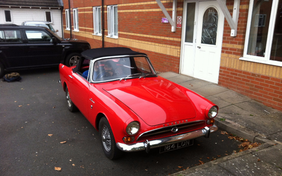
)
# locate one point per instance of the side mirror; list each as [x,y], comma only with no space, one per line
[54,40]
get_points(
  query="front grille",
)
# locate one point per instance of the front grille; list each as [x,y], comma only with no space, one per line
[166,131]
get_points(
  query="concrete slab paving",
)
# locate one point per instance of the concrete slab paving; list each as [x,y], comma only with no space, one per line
[168,74]
[271,155]
[232,97]
[219,102]
[250,164]
[211,90]
[179,79]
[194,84]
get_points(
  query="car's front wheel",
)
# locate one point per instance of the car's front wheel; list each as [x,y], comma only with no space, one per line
[71,105]
[1,70]
[107,140]
[72,59]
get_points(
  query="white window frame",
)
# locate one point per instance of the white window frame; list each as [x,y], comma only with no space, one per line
[112,21]
[266,58]
[50,16]
[67,18]
[75,20]
[97,21]
[10,16]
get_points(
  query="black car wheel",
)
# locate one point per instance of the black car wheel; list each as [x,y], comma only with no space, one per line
[107,140]
[72,59]
[1,70]
[71,105]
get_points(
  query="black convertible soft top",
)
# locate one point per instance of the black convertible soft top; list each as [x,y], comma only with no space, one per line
[111,51]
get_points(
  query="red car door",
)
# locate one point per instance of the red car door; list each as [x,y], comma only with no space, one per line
[79,92]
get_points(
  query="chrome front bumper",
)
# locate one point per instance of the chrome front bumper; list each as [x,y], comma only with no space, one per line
[147,145]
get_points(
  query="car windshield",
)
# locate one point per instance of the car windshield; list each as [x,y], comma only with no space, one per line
[122,69]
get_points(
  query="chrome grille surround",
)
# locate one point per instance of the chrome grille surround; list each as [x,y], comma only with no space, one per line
[168,130]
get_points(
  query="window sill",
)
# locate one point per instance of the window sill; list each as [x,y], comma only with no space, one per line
[114,37]
[75,30]
[268,62]
[97,34]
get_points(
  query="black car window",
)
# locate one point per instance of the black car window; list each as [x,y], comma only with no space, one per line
[10,36]
[34,36]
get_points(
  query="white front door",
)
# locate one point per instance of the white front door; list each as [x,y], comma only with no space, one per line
[202,40]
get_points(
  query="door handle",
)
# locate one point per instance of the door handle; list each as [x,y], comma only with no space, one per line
[199,47]
[92,100]
[70,76]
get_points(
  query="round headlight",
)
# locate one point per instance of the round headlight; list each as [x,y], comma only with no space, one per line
[212,112]
[132,128]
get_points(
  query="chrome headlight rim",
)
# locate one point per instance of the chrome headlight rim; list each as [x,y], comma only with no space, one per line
[133,128]
[213,112]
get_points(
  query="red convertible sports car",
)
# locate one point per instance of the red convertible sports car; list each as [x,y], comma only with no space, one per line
[133,108]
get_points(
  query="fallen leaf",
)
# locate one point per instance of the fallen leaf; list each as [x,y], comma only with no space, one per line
[58,169]
[50,135]
[63,142]
[224,132]
[201,162]
[20,106]
[258,160]
[180,167]
[73,164]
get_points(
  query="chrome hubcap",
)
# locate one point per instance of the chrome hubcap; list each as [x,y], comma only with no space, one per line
[106,138]
[74,60]
[68,99]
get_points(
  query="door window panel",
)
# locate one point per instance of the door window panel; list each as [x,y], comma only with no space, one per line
[209,29]
[190,18]
[38,36]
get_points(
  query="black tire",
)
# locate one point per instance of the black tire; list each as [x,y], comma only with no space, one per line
[71,105]
[107,140]
[72,59]
[1,70]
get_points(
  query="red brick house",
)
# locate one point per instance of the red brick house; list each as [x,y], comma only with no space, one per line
[233,43]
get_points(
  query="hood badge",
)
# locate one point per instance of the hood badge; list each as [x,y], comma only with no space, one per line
[174,130]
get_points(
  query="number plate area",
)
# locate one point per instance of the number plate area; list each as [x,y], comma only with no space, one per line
[176,146]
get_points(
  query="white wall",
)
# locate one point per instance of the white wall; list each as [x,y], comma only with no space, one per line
[20,15]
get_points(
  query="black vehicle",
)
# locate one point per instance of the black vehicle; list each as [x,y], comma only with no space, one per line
[24,47]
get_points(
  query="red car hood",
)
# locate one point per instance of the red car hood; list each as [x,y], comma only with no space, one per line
[154,100]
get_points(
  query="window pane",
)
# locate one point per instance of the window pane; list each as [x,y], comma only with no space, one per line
[115,21]
[259,27]
[8,16]
[276,50]
[67,20]
[99,20]
[109,20]
[10,36]
[209,29]
[37,36]
[48,16]
[190,22]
